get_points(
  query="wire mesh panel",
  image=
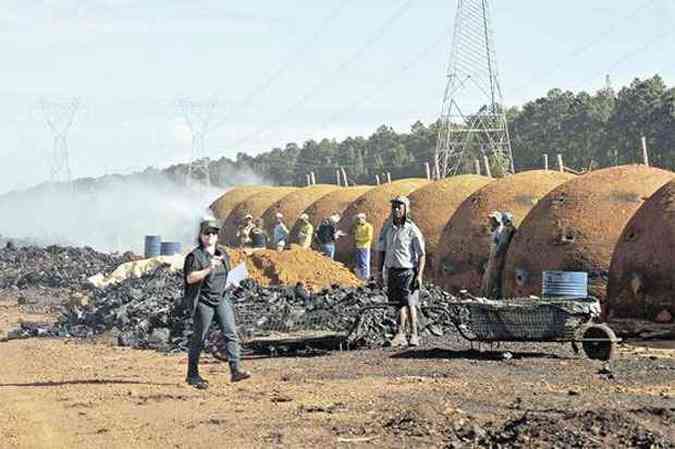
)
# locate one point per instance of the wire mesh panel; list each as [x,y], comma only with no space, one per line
[288,322]
[522,319]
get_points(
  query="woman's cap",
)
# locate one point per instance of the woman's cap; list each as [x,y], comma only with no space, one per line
[209,224]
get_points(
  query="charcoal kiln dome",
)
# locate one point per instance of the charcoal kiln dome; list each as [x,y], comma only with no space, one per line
[376,205]
[576,226]
[642,273]
[222,207]
[435,203]
[254,205]
[293,204]
[334,202]
[464,246]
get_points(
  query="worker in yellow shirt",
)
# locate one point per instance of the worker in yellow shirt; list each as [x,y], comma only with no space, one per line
[305,231]
[363,237]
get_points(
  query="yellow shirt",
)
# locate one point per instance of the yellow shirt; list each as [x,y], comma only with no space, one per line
[363,235]
[305,233]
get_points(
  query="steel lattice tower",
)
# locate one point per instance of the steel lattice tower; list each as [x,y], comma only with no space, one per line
[473,122]
[198,117]
[59,116]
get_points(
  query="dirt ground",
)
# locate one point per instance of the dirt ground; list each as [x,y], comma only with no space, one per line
[66,393]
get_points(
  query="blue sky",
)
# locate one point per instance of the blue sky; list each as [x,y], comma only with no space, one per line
[282,71]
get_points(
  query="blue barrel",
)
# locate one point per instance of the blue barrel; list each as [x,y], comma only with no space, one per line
[572,284]
[153,245]
[170,248]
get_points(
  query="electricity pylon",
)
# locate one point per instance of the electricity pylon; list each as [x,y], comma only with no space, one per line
[473,123]
[59,116]
[198,118]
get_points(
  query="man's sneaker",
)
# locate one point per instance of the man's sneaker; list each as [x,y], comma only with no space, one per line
[237,376]
[398,341]
[414,340]
[198,382]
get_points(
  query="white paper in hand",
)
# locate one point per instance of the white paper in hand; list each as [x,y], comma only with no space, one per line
[236,275]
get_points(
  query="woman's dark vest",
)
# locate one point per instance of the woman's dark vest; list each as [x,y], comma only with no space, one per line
[192,291]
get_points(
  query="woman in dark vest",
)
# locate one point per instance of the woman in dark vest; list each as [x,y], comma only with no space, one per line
[205,274]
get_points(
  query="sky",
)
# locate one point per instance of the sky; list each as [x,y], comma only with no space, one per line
[274,72]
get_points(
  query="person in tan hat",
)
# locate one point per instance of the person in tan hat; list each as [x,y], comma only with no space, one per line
[401,265]
[305,231]
[205,277]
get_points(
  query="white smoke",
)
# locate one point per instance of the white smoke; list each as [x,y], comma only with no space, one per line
[112,213]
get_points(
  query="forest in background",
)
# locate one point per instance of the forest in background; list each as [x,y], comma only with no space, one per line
[589,130]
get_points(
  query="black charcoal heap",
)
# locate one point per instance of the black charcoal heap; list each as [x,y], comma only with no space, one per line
[148,312]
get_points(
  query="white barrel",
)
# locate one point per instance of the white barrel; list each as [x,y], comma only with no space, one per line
[573,284]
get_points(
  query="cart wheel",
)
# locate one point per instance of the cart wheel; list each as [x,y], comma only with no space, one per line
[598,342]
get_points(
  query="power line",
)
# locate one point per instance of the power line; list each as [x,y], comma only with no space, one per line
[409,65]
[344,65]
[580,50]
[632,53]
[272,77]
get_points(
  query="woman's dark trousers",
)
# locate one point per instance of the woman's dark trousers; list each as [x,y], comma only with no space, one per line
[224,316]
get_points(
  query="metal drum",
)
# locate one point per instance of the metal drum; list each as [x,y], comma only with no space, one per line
[571,284]
[170,248]
[153,245]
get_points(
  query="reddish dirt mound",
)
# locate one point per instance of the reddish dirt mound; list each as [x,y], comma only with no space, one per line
[336,201]
[227,201]
[375,204]
[288,267]
[642,273]
[255,205]
[576,226]
[465,242]
[293,204]
[435,203]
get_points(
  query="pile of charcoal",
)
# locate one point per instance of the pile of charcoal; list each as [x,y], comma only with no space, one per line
[54,266]
[148,312]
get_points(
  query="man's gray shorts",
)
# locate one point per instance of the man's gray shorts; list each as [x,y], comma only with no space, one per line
[399,287]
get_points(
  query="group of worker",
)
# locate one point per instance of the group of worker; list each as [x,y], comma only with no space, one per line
[251,234]
[400,267]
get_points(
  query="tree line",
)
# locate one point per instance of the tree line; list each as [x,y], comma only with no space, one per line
[589,130]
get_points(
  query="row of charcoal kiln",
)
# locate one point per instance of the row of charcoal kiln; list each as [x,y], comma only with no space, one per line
[616,224]
[154,246]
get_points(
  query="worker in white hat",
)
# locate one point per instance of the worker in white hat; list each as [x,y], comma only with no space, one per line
[280,233]
[362,232]
[502,229]
[401,265]
[305,231]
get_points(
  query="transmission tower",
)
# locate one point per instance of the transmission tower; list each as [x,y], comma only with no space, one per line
[59,116]
[198,118]
[473,122]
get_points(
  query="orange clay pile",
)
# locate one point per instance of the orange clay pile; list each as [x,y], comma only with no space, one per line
[288,267]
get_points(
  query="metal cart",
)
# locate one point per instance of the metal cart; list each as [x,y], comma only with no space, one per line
[562,320]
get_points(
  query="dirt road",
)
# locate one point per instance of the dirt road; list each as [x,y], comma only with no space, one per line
[70,394]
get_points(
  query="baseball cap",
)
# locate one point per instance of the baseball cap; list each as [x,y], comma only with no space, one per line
[496,215]
[209,224]
[401,200]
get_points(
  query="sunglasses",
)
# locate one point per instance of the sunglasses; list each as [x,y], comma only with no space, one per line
[210,232]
